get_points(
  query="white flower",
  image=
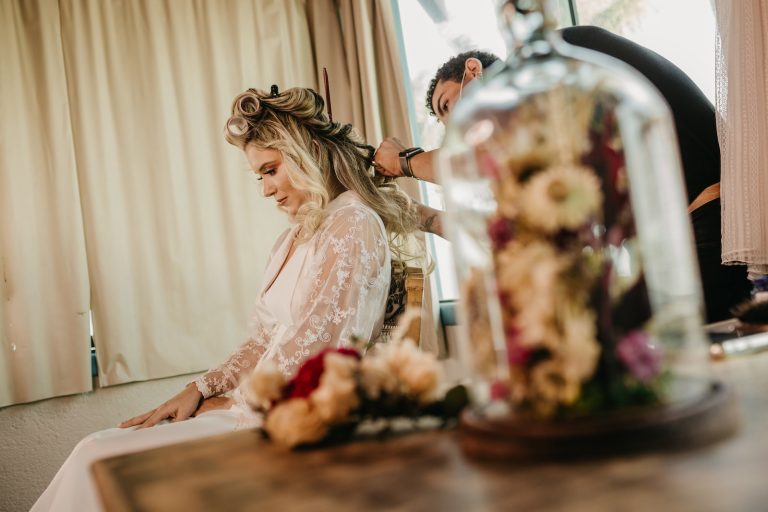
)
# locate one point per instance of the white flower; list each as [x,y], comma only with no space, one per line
[295,422]
[336,396]
[525,268]
[338,365]
[263,385]
[418,374]
[507,194]
[421,377]
[376,377]
[579,349]
[529,274]
[560,197]
[574,359]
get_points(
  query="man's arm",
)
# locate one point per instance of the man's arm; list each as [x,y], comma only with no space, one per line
[430,220]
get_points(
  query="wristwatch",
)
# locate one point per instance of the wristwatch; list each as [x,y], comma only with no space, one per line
[405,161]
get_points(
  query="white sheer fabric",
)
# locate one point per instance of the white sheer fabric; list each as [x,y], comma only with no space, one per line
[742,123]
[315,295]
[338,290]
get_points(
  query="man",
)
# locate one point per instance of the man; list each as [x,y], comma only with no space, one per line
[694,116]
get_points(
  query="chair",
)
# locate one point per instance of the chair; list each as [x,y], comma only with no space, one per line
[406,291]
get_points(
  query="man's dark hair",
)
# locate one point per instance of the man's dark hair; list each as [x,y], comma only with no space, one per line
[453,69]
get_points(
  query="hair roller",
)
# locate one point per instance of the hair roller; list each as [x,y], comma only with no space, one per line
[237,126]
[248,104]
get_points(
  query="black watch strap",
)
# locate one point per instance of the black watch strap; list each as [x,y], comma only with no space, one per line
[405,160]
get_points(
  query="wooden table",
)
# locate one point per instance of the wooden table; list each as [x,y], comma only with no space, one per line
[427,471]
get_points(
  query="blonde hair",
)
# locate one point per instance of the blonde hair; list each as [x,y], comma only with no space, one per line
[319,154]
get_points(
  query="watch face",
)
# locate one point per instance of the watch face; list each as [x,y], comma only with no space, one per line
[408,153]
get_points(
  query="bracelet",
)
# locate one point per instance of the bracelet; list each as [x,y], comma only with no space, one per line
[405,161]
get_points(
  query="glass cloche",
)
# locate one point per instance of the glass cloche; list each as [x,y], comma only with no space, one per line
[567,215]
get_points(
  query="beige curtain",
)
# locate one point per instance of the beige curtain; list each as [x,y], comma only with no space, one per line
[44,331]
[356,40]
[112,116]
[742,89]
[177,236]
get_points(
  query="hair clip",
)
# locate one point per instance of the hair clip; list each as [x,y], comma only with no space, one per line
[327,95]
[273,91]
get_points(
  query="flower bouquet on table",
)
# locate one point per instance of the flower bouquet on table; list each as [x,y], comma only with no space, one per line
[337,390]
[568,274]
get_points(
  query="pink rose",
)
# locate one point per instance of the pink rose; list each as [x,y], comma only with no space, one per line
[641,357]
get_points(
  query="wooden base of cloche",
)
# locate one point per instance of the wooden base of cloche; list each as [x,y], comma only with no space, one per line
[672,427]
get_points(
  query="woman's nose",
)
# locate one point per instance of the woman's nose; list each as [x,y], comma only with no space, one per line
[267,187]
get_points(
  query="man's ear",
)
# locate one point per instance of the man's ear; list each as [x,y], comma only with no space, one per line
[473,66]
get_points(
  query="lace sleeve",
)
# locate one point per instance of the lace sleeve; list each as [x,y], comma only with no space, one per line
[226,376]
[348,285]
[344,295]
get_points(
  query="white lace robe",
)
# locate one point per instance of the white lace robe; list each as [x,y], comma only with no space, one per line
[332,287]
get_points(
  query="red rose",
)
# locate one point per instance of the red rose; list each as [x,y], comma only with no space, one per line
[307,379]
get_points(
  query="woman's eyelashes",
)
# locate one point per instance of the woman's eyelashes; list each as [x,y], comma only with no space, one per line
[269,172]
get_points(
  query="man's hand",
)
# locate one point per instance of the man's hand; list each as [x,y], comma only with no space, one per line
[386,159]
[178,408]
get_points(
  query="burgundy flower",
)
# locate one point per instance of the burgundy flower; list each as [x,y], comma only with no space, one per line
[608,162]
[517,355]
[500,231]
[641,357]
[307,379]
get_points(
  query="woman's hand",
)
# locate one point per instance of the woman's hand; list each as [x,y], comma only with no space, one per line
[180,407]
[386,160]
[213,403]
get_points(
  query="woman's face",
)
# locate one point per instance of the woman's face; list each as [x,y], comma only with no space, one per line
[269,167]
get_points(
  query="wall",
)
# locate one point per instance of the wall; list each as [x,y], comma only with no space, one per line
[36,438]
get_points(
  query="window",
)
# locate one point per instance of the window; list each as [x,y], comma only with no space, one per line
[683,31]
[432,31]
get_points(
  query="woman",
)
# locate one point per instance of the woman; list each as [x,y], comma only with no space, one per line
[326,281]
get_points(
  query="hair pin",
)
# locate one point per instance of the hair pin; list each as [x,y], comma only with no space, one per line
[327,95]
[273,91]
